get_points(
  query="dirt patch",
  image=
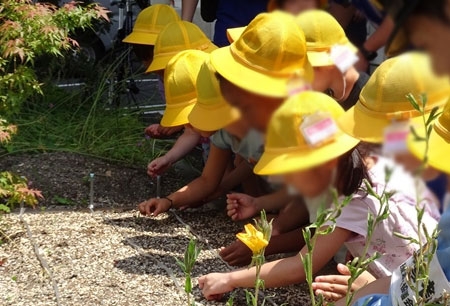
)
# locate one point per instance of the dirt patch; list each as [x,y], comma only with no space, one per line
[63,179]
[112,256]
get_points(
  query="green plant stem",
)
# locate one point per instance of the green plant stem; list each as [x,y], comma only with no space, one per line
[257,283]
[359,265]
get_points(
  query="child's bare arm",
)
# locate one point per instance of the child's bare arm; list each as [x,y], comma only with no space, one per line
[277,273]
[195,191]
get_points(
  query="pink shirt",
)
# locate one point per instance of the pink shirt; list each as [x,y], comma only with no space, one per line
[402,219]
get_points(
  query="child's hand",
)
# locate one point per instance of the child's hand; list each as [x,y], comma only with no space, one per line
[214,285]
[153,130]
[154,207]
[158,166]
[236,254]
[241,206]
[334,287]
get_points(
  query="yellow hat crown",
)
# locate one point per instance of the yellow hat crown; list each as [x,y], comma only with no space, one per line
[384,95]
[211,112]
[322,31]
[280,55]
[175,37]
[150,22]
[180,86]
[285,128]
[302,118]
[442,124]
[208,89]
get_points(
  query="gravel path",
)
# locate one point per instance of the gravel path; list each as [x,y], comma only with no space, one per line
[114,257]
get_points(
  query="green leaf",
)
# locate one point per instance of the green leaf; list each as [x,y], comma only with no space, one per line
[413,102]
[4,208]
[433,115]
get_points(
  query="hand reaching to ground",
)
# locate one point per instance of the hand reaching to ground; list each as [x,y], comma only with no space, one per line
[158,131]
[158,166]
[236,254]
[214,285]
[154,207]
[241,206]
[334,287]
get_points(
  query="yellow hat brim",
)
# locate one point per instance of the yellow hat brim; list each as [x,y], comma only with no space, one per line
[141,38]
[234,33]
[214,118]
[160,61]
[319,59]
[323,58]
[251,80]
[177,115]
[438,152]
[281,161]
[362,126]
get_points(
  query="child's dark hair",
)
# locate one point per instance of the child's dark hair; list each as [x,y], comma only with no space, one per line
[352,170]
[432,9]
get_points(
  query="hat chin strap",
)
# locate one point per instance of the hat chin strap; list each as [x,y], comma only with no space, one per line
[330,91]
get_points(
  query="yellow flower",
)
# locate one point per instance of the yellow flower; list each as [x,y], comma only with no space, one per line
[253,238]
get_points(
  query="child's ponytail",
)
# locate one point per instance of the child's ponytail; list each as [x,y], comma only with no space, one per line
[351,171]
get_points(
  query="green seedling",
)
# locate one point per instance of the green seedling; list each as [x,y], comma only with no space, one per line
[190,257]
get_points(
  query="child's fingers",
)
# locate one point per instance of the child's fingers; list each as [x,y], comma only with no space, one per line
[329,296]
[201,281]
[343,269]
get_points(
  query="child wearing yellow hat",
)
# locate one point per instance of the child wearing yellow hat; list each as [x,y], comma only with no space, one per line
[256,73]
[263,66]
[173,38]
[149,23]
[410,17]
[387,291]
[383,114]
[332,56]
[183,90]
[305,146]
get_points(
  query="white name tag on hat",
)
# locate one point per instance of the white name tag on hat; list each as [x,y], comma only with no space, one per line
[395,138]
[318,128]
[343,57]
[403,295]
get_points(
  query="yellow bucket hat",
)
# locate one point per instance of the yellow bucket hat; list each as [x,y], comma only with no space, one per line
[324,36]
[439,141]
[150,22]
[175,37]
[269,53]
[211,112]
[383,101]
[303,134]
[179,83]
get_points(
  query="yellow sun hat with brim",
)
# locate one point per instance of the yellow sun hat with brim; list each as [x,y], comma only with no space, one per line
[180,86]
[275,4]
[439,143]
[267,58]
[211,112]
[176,37]
[326,41]
[303,134]
[383,100]
[150,22]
